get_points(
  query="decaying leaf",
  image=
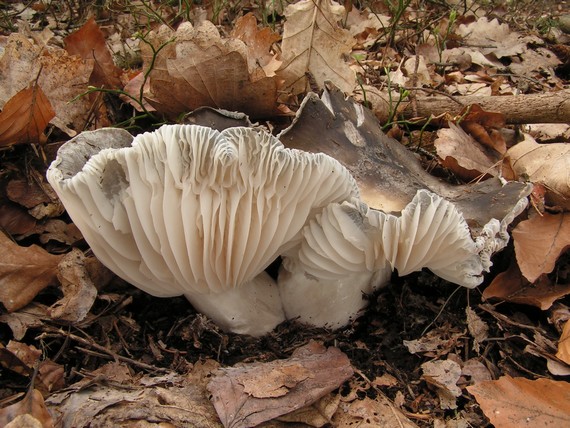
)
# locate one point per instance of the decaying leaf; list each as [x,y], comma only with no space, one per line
[511,286]
[77,286]
[546,164]
[369,413]
[478,329]
[539,241]
[520,402]
[24,272]
[33,405]
[25,117]
[464,155]
[443,374]
[15,220]
[19,322]
[564,344]
[62,77]
[254,393]
[315,44]
[122,399]
[89,43]
[195,67]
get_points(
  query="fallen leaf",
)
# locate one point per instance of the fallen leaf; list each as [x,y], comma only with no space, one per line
[511,286]
[466,157]
[24,272]
[89,43]
[314,43]
[369,413]
[25,117]
[477,328]
[251,394]
[79,292]
[122,399]
[443,374]
[33,405]
[436,342]
[564,344]
[520,402]
[546,164]
[31,316]
[62,77]
[15,220]
[539,241]
[195,67]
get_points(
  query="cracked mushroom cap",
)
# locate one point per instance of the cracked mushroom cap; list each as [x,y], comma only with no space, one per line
[191,210]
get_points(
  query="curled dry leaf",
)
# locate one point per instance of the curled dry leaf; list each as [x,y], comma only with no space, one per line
[539,241]
[77,286]
[464,155]
[314,43]
[24,272]
[511,286]
[564,344]
[369,413]
[196,67]
[443,374]
[25,116]
[520,402]
[546,164]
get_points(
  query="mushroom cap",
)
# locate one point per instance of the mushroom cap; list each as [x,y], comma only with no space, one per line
[188,209]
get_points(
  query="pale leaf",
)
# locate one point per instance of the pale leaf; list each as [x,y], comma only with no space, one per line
[315,43]
[564,344]
[520,402]
[539,241]
[24,272]
[546,164]
[24,117]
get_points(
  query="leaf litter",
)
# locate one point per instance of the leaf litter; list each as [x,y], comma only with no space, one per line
[426,347]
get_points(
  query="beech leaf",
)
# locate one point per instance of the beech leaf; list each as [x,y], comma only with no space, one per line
[546,164]
[539,241]
[520,402]
[315,43]
[24,272]
[25,116]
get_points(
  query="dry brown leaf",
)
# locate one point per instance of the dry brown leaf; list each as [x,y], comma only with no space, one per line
[29,317]
[520,402]
[546,164]
[89,43]
[368,413]
[32,404]
[314,43]
[251,394]
[169,400]
[25,117]
[15,220]
[539,241]
[61,76]
[79,292]
[462,154]
[564,344]
[513,287]
[478,329]
[196,67]
[259,43]
[24,272]
[443,374]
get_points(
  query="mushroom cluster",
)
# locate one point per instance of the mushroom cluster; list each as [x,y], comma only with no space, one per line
[200,212]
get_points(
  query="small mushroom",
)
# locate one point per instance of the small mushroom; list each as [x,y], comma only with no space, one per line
[191,210]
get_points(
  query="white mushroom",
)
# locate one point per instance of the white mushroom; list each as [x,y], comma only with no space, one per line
[190,210]
[349,250]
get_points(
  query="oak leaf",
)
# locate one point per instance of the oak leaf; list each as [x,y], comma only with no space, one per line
[314,43]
